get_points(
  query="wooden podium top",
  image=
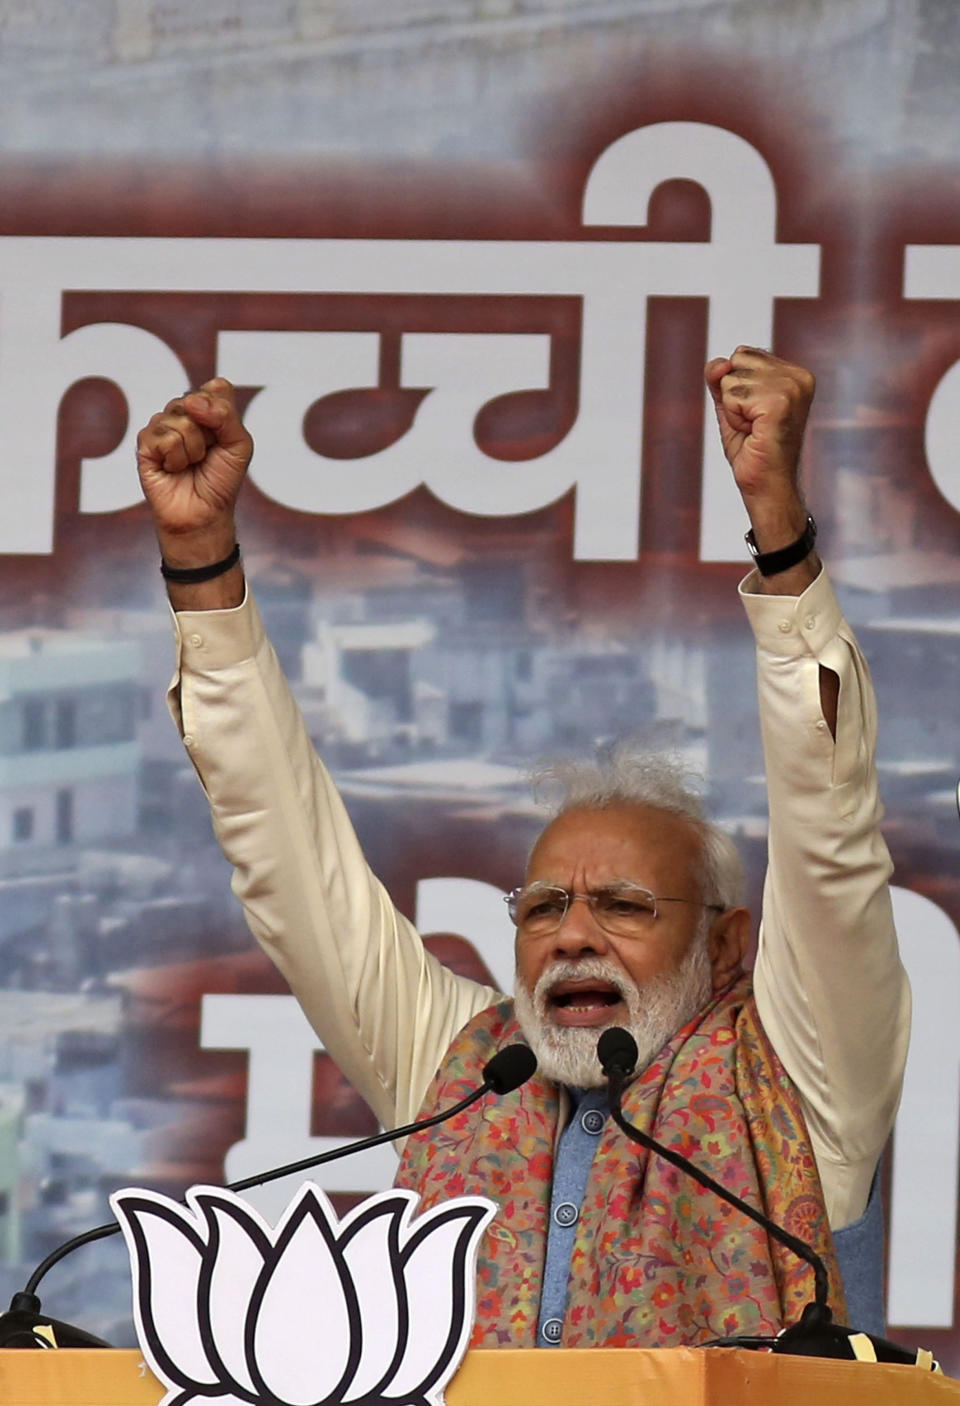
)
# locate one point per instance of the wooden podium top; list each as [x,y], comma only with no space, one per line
[539,1377]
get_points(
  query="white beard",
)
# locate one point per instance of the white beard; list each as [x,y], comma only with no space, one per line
[655,1012]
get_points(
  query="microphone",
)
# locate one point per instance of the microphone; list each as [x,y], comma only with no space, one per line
[815,1334]
[23,1325]
[509,1068]
[617,1053]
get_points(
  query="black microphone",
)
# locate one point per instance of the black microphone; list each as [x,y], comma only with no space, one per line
[509,1068]
[815,1334]
[617,1053]
[506,1071]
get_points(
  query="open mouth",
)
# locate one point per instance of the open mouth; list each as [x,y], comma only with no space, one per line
[584,1000]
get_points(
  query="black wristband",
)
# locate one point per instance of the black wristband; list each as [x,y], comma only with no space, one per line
[772,563]
[193,575]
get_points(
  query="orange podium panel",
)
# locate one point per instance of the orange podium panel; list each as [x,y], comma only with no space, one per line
[597,1377]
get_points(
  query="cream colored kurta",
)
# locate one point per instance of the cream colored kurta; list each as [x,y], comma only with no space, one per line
[830,988]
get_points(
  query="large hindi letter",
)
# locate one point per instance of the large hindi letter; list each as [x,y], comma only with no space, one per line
[474,910]
[148,373]
[743,201]
[933,271]
[279,1088]
[29,333]
[464,371]
[141,365]
[923,1213]
[296,369]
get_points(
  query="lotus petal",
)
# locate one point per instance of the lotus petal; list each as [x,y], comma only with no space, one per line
[370,1241]
[166,1256]
[238,1247]
[303,1336]
[439,1266]
[203,1398]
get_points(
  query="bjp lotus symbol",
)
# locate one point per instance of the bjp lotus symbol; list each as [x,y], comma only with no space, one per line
[372,1310]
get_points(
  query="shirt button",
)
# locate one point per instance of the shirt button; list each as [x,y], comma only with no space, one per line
[784,627]
[810,622]
[592,1121]
[552,1330]
[566,1213]
[196,641]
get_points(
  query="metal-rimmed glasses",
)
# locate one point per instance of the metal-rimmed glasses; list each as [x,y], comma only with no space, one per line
[623,908]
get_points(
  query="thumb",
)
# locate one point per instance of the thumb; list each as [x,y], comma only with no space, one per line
[713,374]
[214,406]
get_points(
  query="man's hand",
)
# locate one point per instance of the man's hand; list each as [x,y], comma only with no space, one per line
[762,405]
[192,458]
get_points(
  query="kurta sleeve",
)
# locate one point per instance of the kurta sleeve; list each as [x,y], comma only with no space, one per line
[830,987]
[385,1009]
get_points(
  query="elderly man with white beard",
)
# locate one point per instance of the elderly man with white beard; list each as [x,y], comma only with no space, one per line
[782,1085]
[579,975]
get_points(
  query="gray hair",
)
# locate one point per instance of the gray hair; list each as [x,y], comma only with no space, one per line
[622,774]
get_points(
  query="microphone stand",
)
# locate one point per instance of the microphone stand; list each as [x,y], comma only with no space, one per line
[618,1060]
[815,1334]
[506,1071]
[799,1247]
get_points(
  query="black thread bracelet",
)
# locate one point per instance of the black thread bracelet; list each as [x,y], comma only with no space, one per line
[194,575]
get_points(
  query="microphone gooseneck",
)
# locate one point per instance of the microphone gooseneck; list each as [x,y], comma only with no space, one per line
[615,1059]
[506,1071]
[815,1334]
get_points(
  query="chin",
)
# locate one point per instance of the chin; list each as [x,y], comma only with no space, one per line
[653,1013]
[566,1054]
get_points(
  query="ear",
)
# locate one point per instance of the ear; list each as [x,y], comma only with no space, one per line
[727,945]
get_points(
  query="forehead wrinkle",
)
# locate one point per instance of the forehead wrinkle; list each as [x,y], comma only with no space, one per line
[589,841]
[605,886]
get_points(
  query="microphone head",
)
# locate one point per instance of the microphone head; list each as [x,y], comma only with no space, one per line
[509,1068]
[617,1052]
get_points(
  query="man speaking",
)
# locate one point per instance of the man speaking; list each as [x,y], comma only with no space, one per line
[782,1085]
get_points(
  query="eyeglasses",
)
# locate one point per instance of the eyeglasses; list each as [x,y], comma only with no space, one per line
[623,909]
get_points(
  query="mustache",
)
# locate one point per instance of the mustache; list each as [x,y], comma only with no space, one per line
[586,968]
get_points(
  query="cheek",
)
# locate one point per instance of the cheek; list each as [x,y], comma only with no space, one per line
[531,957]
[645,961]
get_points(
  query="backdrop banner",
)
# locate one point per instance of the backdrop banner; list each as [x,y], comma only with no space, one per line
[465,263]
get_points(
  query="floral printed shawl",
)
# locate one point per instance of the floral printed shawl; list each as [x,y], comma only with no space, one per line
[658,1261]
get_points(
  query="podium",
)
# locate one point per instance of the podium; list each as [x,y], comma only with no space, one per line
[681,1376]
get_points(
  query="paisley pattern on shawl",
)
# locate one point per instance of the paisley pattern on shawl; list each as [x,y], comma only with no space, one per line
[658,1261]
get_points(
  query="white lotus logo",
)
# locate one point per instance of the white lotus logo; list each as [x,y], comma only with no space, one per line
[376,1308]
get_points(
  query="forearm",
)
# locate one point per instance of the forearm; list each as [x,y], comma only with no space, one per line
[200,549]
[778,519]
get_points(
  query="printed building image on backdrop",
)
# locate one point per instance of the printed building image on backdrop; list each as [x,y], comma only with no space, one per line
[465,264]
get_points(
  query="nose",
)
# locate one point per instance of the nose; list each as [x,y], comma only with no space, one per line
[579,932]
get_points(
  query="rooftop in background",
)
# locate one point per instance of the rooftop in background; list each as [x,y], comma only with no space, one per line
[897,571]
[40,659]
